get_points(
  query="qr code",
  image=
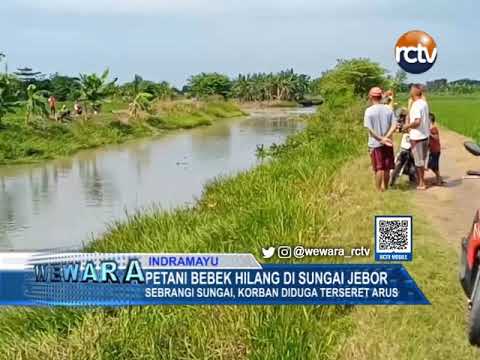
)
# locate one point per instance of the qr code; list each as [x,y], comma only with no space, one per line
[393,234]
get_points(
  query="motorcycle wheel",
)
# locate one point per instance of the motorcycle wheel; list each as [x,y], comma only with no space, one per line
[395,173]
[474,328]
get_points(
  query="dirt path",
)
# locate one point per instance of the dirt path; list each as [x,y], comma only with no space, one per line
[451,208]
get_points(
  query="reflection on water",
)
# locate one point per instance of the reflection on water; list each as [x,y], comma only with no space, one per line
[63,203]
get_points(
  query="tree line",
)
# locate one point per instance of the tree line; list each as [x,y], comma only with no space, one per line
[282,86]
[457,87]
[348,79]
[32,89]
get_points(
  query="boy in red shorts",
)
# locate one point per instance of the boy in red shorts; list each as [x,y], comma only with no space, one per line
[434,157]
[380,122]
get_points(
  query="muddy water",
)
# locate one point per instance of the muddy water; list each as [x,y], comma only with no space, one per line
[64,203]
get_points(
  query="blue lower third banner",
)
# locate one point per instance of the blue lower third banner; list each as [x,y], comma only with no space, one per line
[80,279]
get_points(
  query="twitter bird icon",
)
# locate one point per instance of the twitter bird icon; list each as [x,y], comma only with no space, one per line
[268,253]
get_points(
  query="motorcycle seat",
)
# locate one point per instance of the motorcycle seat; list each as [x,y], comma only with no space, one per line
[472,148]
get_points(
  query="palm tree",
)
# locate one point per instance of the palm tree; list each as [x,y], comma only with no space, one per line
[95,89]
[36,104]
[285,85]
[8,97]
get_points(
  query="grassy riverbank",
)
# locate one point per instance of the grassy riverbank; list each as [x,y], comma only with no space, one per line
[47,139]
[286,201]
[317,191]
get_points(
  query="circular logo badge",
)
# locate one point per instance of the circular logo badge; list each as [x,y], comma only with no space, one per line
[416,52]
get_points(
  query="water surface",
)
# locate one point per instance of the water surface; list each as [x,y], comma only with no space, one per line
[64,203]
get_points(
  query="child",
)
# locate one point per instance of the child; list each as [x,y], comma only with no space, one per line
[404,160]
[389,100]
[434,157]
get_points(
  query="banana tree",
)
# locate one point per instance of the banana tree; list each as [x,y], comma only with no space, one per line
[95,90]
[36,103]
[141,102]
[138,97]
[8,97]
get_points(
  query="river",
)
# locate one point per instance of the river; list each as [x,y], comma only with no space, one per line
[64,203]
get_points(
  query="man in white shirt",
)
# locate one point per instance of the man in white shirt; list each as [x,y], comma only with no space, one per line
[419,126]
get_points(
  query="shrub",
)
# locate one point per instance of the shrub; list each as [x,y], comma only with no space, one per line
[348,80]
[209,84]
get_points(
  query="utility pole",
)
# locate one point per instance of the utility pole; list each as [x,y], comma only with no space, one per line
[3,57]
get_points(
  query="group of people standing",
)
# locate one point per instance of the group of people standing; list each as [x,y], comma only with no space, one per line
[64,112]
[420,135]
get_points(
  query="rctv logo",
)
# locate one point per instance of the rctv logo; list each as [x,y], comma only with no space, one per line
[416,52]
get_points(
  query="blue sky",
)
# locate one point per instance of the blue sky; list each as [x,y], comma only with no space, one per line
[170,40]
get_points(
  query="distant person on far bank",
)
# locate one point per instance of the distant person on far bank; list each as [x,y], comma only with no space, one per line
[419,131]
[380,122]
[77,108]
[52,103]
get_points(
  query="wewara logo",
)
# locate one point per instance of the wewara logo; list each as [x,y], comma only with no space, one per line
[416,52]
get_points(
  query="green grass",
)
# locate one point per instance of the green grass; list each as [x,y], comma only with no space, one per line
[46,139]
[460,113]
[272,204]
[438,331]
[318,190]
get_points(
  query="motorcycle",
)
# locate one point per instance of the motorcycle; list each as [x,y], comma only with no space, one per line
[470,262]
[404,163]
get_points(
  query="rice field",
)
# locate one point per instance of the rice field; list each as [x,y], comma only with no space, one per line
[460,113]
